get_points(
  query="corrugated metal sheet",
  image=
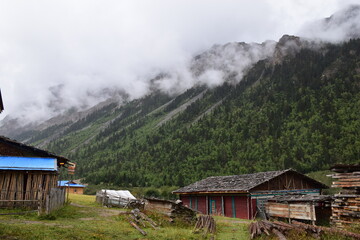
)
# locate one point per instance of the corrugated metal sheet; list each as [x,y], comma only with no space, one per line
[68,183]
[28,163]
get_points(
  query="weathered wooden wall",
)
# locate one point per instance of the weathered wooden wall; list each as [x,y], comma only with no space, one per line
[23,188]
[287,181]
[75,190]
[163,207]
[304,211]
[53,200]
[11,150]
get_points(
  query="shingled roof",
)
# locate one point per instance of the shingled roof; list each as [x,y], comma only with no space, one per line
[238,183]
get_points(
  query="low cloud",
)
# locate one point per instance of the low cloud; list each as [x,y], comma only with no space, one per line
[341,26]
[55,55]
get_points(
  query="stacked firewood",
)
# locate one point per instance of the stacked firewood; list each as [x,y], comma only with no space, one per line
[281,229]
[267,227]
[346,206]
[137,218]
[205,223]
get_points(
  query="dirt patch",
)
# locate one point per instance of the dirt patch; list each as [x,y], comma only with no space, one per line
[78,205]
[109,213]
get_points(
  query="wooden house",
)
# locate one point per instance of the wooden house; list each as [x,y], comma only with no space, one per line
[72,187]
[9,147]
[27,174]
[243,196]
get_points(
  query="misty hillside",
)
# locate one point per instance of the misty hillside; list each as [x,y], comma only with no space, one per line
[298,108]
[254,107]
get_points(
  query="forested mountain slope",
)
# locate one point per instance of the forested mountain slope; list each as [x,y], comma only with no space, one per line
[300,111]
[298,107]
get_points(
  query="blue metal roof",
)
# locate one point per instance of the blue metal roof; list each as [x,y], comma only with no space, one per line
[28,163]
[68,183]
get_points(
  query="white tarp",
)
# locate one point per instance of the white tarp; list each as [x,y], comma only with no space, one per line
[117,194]
[115,197]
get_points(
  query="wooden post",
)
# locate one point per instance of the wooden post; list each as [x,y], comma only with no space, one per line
[68,191]
[39,203]
[289,212]
[248,207]
[312,212]
[222,206]
[207,204]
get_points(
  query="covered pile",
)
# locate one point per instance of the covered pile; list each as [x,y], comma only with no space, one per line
[172,210]
[118,198]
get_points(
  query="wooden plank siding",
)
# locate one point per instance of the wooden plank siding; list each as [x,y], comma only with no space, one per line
[229,202]
[12,150]
[24,185]
[287,181]
[241,205]
[304,211]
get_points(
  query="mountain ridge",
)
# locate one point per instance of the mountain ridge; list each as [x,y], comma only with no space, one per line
[287,104]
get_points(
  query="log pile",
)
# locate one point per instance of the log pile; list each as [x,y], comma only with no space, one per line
[281,229]
[266,227]
[137,218]
[205,223]
[346,206]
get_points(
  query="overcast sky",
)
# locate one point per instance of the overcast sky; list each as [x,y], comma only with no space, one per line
[57,54]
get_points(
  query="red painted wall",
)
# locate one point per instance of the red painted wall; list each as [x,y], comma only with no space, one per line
[228,206]
[241,207]
[201,204]
[185,200]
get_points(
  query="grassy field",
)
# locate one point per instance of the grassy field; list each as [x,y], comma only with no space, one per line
[85,219]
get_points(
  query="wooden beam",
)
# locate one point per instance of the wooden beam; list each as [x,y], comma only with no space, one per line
[222,206]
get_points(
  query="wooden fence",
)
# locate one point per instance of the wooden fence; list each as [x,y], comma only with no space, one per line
[54,200]
[43,202]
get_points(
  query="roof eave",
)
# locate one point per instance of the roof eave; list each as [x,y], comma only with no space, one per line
[211,192]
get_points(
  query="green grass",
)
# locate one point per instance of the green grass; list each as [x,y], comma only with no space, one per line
[230,228]
[85,219]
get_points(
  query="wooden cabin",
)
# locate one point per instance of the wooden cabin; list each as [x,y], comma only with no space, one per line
[9,147]
[244,196]
[72,187]
[27,174]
